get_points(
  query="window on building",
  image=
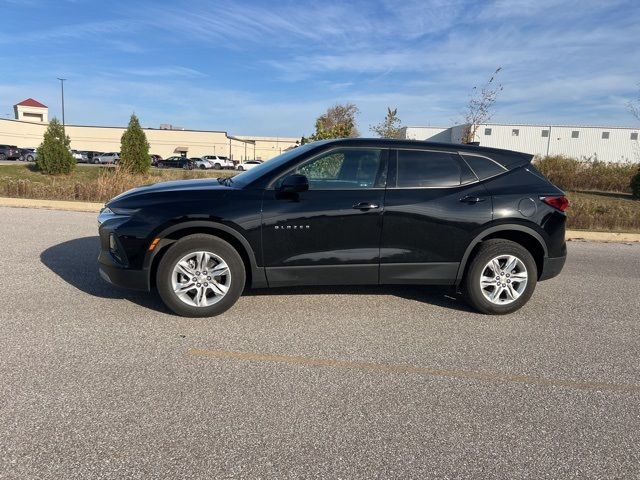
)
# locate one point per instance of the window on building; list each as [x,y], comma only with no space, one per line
[634,135]
[605,135]
[545,133]
[418,168]
[575,134]
[483,167]
[487,131]
[515,132]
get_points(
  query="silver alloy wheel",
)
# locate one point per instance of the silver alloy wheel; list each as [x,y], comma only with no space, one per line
[503,279]
[201,279]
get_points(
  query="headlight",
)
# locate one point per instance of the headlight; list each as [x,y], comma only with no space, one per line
[108,213]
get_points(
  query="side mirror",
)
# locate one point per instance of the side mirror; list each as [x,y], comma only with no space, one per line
[294,183]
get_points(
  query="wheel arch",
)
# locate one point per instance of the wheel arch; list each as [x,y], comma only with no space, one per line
[521,234]
[255,274]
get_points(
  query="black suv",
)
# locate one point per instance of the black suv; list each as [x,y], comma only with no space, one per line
[352,211]
[9,152]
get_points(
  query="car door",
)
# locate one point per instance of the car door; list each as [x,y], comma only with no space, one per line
[329,234]
[434,206]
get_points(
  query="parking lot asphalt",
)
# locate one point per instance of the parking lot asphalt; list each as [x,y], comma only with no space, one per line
[366,382]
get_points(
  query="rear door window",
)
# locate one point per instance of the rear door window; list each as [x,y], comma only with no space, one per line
[483,167]
[424,169]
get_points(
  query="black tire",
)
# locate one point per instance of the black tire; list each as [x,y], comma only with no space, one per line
[488,250]
[240,168]
[217,166]
[29,158]
[3,156]
[96,161]
[202,167]
[194,243]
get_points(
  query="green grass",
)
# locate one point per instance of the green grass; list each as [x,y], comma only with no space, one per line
[614,212]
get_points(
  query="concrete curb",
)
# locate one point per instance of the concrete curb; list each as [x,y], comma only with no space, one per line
[572,235]
[51,204]
[584,236]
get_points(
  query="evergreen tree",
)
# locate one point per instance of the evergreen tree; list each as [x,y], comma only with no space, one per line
[53,156]
[134,149]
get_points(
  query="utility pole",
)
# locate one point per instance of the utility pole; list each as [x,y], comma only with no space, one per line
[62,80]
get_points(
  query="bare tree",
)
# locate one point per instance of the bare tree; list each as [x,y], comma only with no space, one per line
[479,108]
[390,127]
[634,106]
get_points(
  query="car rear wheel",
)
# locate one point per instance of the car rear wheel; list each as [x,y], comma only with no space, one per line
[241,168]
[217,166]
[200,276]
[3,156]
[501,277]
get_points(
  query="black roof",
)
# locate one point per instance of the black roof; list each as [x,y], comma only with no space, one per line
[508,158]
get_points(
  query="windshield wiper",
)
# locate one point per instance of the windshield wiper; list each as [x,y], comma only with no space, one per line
[225,180]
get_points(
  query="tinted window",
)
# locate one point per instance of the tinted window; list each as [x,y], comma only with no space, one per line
[343,169]
[483,167]
[428,169]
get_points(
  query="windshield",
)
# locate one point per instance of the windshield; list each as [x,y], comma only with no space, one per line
[261,169]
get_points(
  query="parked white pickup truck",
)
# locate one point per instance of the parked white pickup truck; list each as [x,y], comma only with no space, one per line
[219,162]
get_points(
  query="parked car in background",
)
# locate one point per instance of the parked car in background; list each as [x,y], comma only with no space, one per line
[28,154]
[91,155]
[155,159]
[480,220]
[109,157]
[248,165]
[176,162]
[219,162]
[81,157]
[9,152]
[201,163]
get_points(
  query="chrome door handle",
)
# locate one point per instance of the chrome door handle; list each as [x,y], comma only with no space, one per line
[470,199]
[365,206]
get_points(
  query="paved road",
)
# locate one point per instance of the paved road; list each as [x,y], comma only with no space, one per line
[311,383]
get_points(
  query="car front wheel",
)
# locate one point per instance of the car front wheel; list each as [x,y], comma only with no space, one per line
[501,277]
[200,276]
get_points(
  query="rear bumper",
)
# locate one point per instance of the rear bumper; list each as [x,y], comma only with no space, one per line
[552,266]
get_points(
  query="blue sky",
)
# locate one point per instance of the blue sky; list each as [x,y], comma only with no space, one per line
[270,68]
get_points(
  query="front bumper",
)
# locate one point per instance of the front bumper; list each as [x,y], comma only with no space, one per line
[114,266]
[120,276]
[552,266]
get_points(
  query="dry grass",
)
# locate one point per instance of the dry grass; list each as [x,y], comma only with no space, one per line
[588,210]
[91,184]
[571,174]
[603,212]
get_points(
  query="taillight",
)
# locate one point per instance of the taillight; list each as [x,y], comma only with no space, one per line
[560,202]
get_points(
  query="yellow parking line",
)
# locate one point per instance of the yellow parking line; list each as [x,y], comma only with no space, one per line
[399,368]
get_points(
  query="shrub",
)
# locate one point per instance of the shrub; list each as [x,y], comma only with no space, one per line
[134,149]
[53,156]
[635,184]
[572,174]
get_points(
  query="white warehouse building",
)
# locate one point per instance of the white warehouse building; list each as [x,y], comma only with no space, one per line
[608,144]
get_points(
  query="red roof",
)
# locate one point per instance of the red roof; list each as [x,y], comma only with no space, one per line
[30,102]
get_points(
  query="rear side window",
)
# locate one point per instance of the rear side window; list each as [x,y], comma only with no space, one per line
[483,167]
[429,169]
